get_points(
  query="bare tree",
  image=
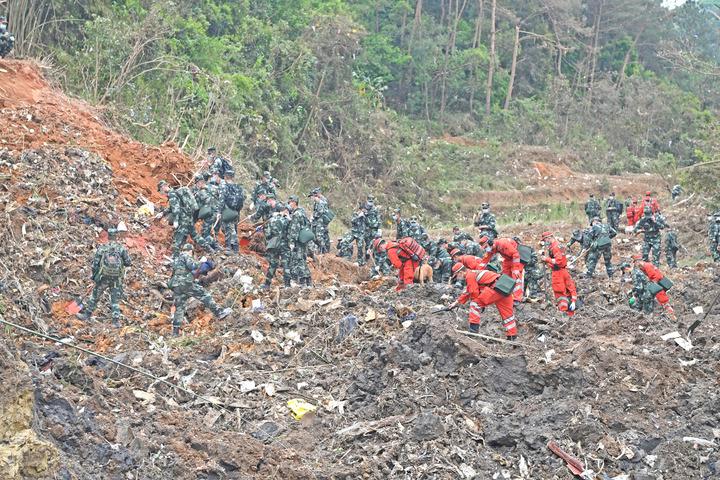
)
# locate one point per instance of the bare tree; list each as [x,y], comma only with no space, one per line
[491,67]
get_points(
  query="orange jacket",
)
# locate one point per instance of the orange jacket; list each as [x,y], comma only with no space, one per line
[473,286]
[471,262]
[556,258]
[654,204]
[652,272]
[393,249]
[507,247]
[630,213]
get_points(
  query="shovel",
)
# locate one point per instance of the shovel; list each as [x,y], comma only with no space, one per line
[697,323]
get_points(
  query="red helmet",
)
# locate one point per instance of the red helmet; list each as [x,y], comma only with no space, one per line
[546,234]
[637,256]
[648,193]
[457,268]
[484,239]
[377,242]
[455,251]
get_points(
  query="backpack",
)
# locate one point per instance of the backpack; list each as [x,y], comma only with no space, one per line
[111,265]
[187,199]
[225,167]
[234,197]
[410,247]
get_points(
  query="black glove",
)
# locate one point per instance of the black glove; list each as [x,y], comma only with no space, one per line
[415,258]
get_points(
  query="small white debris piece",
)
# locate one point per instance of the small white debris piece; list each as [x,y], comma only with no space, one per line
[146,397]
[406,324]
[670,336]
[688,363]
[247,386]
[698,310]
[523,467]
[701,442]
[257,336]
[548,355]
[270,389]
[257,305]
[683,343]
[467,471]
[650,460]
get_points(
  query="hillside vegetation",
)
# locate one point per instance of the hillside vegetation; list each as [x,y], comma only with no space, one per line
[341,92]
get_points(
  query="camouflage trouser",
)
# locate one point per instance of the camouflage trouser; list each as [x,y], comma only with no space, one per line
[345,251]
[651,243]
[613,220]
[369,237]
[298,263]
[382,263]
[443,271]
[532,281]
[594,256]
[208,232]
[181,234]
[116,294]
[229,229]
[278,258]
[715,253]
[670,255]
[645,300]
[360,244]
[184,293]
[322,237]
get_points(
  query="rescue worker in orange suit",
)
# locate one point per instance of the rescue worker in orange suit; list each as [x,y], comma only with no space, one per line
[651,202]
[511,266]
[638,211]
[480,293]
[631,212]
[405,255]
[469,261]
[655,275]
[563,285]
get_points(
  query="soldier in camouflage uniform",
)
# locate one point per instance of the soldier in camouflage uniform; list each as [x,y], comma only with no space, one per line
[345,246]
[278,248]
[533,276]
[265,186]
[485,222]
[265,207]
[372,224]
[322,216]
[210,209]
[471,247]
[592,208]
[671,248]
[298,251]
[185,287]
[108,272]
[676,191]
[601,236]
[232,198]
[714,237]
[217,165]
[380,258]
[459,235]
[650,225]
[415,230]
[580,236]
[613,210]
[402,226]
[441,261]
[182,208]
[358,227]
[642,299]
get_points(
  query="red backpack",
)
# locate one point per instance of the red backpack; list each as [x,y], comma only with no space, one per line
[410,247]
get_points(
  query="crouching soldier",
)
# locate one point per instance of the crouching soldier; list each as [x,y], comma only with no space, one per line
[184,287]
[108,272]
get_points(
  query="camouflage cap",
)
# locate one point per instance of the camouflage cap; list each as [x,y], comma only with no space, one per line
[647,209]
[212,149]
[293,198]
[269,195]
[187,247]
[200,177]
[279,207]
[266,174]
[161,184]
[624,265]
[112,232]
[441,241]
[485,205]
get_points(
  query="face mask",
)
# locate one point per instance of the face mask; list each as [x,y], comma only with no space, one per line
[485,210]
[488,249]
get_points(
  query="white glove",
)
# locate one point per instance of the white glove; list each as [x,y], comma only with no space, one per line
[175,224]
[203,260]
[572,306]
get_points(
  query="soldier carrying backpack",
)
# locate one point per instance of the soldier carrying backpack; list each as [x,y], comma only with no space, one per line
[108,272]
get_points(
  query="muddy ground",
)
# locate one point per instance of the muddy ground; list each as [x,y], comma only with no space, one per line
[399,393]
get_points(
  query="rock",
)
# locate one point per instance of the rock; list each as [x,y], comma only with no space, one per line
[427,426]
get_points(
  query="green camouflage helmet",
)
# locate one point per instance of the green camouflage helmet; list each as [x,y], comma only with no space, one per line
[293,198]
[112,233]
[187,247]
[161,184]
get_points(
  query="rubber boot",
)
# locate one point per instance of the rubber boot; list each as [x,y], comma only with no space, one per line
[308,281]
[175,330]
[286,281]
[473,327]
[511,338]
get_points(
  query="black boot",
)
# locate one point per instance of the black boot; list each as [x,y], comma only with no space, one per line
[473,327]
[286,281]
[175,330]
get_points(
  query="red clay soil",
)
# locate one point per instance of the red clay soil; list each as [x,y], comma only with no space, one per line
[34,114]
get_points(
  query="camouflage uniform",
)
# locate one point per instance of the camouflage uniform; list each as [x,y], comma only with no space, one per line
[600,233]
[263,210]
[533,275]
[183,219]
[592,208]
[345,246]
[676,191]
[442,265]
[372,225]
[644,299]
[580,236]
[381,260]
[402,226]
[488,219]
[415,230]
[280,256]
[613,210]
[320,222]
[298,257]
[357,230]
[184,287]
[472,248]
[232,198]
[265,186]
[106,277]
[671,248]
[651,225]
[714,237]
[459,236]
[209,198]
